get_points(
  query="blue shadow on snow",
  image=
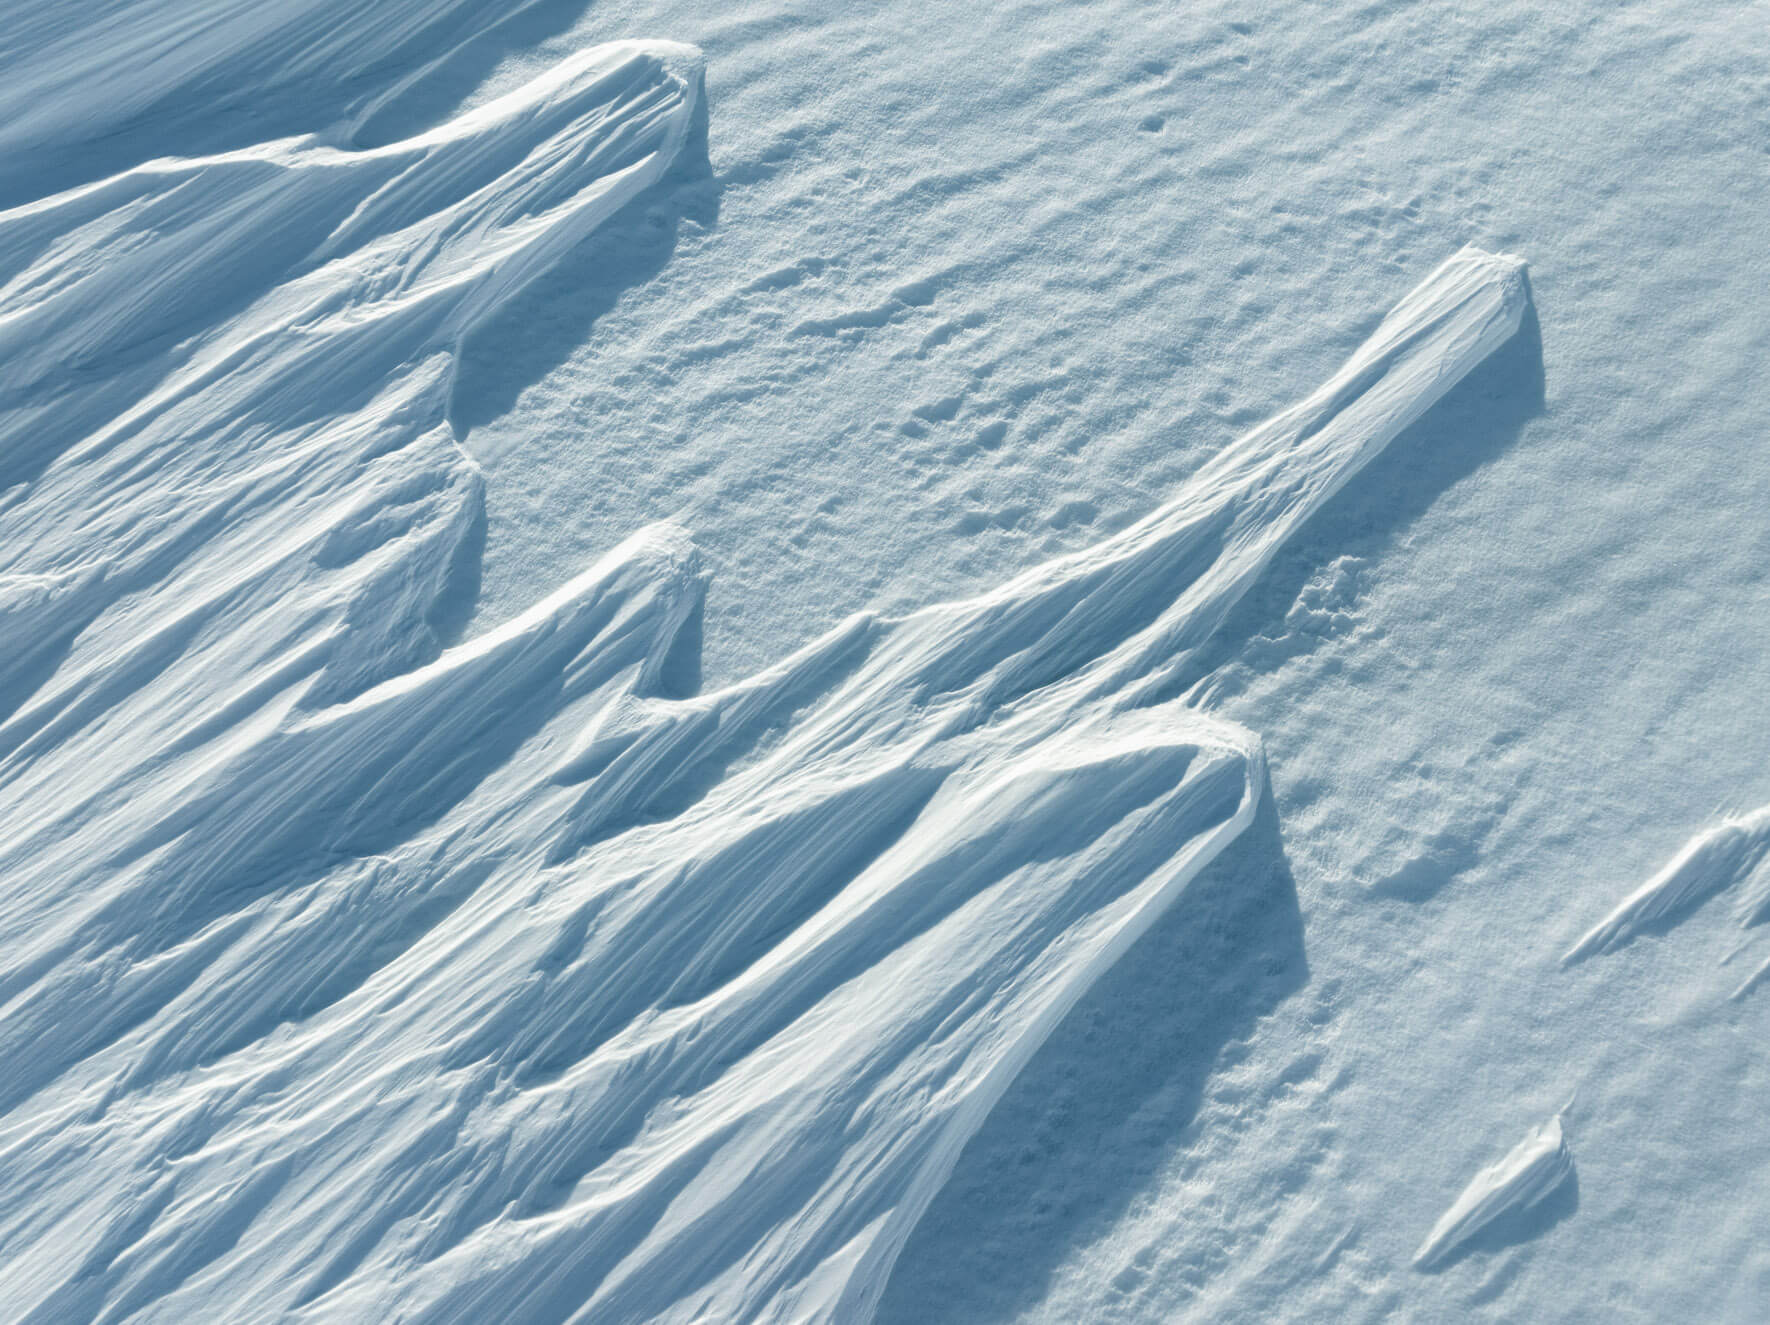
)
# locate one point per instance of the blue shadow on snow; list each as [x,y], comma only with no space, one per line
[1081,1132]
[544,324]
[1085,1128]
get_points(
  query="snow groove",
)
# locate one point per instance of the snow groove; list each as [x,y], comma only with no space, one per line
[350,969]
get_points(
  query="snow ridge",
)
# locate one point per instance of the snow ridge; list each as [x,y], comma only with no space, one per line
[353,969]
[1711,862]
[1529,1172]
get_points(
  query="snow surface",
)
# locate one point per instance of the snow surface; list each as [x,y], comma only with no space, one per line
[404,919]
[691,1012]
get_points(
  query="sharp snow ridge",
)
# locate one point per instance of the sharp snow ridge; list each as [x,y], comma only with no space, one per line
[1713,861]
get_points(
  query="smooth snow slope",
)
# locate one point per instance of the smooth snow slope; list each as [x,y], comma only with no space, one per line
[352,976]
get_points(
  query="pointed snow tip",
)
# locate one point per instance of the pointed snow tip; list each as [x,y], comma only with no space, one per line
[1504,271]
[664,541]
[1508,269]
[659,557]
[659,561]
[686,61]
[1501,261]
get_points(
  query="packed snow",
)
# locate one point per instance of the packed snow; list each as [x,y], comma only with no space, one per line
[641,647]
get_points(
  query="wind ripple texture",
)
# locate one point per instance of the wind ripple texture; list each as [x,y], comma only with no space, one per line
[346,968]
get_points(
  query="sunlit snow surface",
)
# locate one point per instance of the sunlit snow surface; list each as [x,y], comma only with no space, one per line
[382,939]
[504,981]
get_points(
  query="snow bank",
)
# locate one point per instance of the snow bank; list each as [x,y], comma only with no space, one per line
[354,968]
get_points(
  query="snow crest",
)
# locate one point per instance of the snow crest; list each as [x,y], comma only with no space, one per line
[353,968]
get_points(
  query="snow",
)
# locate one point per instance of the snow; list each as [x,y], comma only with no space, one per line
[1712,861]
[1528,1175]
[607,645]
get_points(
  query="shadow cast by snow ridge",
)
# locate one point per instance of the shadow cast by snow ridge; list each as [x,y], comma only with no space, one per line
[1084,1127]
[546,322]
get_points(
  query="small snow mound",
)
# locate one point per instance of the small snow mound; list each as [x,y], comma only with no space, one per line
[1710,862]
[1533,1169]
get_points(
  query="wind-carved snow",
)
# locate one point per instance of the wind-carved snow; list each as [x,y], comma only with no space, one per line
[81,81]
[1530,1172]
[351,972]
[1711,862]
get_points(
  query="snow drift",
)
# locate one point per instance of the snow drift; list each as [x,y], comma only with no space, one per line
[1711,862]
[351,969]
[1528,1174]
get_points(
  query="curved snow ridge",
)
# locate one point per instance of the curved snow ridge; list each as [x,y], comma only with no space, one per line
[1529,1173]
[1711,862]
[353,972]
